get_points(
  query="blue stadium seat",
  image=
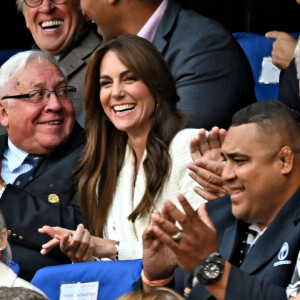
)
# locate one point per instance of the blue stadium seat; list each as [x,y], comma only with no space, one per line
[15,267]
[257,47]
[115,277]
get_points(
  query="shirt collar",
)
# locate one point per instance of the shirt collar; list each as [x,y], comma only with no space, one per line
[256,228]
[14,155]
[252,239]
[149,29]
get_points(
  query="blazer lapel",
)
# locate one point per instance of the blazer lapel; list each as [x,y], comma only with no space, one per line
[73,62]
[166,25]
[281,227]
[229,239]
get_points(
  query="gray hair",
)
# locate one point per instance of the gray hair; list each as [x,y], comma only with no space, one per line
[297,59]
[6,258]
[16,64]
[19,293]
[20,4]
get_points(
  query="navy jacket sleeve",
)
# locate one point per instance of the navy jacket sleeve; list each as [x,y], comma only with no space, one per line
[212,73]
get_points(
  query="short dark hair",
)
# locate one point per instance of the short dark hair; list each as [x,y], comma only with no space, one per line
[19,293]
[269,114]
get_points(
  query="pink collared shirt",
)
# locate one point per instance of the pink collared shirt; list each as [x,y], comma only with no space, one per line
[149,29]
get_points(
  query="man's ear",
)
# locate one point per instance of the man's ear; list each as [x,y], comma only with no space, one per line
[3,238]
[286,155]
[3,115]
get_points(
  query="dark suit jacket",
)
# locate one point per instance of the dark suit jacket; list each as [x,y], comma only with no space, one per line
[212,73]
[74,61]
[289,88]
[265,273]
[49,199]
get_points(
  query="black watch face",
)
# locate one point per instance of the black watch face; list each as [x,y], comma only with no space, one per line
[211,271]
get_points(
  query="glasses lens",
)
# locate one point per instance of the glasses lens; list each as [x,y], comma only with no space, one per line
[37,96]
[66,92]
[58,1]
[36,3]
[33,3]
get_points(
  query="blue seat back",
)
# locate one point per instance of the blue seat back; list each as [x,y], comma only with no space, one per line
[115,277]
[257,47]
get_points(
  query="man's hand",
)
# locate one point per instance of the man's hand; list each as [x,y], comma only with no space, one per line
[208,174]
[199,235]
[208,164]
[158,261]
[283,48]
[208,147]
[77,245]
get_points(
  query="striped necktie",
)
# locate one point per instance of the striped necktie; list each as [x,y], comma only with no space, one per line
[34,161]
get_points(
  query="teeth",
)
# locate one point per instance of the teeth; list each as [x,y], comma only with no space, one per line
[51,24]
[53,122]
[124,107]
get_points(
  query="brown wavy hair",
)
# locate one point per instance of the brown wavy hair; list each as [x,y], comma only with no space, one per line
[105,150]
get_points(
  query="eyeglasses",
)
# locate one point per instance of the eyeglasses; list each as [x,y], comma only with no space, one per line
[42,96]
[36,3]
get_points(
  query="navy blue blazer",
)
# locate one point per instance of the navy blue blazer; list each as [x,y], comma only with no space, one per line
[49,199]
[268,268]
[212,73]
[289,88]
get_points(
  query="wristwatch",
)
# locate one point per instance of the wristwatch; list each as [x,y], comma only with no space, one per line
[210,269]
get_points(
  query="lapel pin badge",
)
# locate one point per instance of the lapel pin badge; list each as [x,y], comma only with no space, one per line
[53,198]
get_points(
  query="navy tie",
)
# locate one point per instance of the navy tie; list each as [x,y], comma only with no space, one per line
[23,179]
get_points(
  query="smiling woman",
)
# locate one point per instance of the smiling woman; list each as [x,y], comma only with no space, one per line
[137,151]
[133,132]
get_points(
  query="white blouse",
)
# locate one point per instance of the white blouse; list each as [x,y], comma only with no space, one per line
[128,195]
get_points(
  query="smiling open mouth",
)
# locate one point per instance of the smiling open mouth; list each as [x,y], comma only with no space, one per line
[53,122]
[51,25]
[124,108]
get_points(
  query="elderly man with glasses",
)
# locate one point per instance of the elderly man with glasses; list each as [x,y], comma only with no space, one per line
[59,28]
[38,155]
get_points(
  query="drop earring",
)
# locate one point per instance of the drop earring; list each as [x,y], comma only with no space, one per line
[0,253]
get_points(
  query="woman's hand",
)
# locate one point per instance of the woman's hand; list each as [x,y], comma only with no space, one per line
[78,245]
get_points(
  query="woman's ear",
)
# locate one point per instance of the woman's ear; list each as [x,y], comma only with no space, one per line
[3,238]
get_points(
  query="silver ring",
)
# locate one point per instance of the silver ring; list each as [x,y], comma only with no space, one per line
[70,234]
[178,236]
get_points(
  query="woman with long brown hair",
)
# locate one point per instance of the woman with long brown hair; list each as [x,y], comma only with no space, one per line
[137,148]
